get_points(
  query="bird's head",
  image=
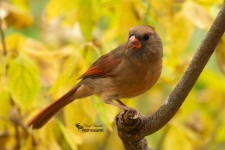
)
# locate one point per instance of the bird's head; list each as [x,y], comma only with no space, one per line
[144,41]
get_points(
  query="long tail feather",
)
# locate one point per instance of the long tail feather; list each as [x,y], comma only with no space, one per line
[46,114]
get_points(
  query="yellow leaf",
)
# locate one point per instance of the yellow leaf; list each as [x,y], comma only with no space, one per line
[127,16]
[22,4]
[210,2]
[177,140]
[106,115]
[197,15]
[16,17]
[72,69]
[76,11]
[176,40]
[48,138]
[162,10]
[86,16]
[23,80]
[220,54]
[214,80]
[15,43]
[4,107]
[68,136]
[79,111]
[65,9]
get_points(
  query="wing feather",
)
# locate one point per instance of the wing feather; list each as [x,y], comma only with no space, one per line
[105,65]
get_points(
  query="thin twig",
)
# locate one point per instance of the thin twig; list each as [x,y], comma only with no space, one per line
[2,35]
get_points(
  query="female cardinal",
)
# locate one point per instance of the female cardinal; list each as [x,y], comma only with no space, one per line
[125,72]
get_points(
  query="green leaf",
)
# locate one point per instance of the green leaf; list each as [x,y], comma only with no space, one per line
[85,18]
[23,80]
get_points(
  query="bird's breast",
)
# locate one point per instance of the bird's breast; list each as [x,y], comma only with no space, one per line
[135,80]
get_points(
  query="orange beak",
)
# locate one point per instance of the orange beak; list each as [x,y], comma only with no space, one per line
[134,43]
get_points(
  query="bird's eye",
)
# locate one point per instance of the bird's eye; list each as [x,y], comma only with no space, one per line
[145,37]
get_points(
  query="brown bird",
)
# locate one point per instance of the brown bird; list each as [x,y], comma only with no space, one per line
[127,71]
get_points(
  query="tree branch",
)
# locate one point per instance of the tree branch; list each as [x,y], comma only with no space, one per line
[133,127]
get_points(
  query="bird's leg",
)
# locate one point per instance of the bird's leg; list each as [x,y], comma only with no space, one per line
[120,104]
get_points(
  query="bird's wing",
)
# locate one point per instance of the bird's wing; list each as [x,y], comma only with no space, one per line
[105,65]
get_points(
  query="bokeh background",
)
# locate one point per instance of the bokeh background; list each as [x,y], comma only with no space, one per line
[50,43]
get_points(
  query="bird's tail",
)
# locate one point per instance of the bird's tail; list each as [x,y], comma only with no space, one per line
[46,114]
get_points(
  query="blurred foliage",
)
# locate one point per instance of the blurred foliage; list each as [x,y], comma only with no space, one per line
[51,43]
